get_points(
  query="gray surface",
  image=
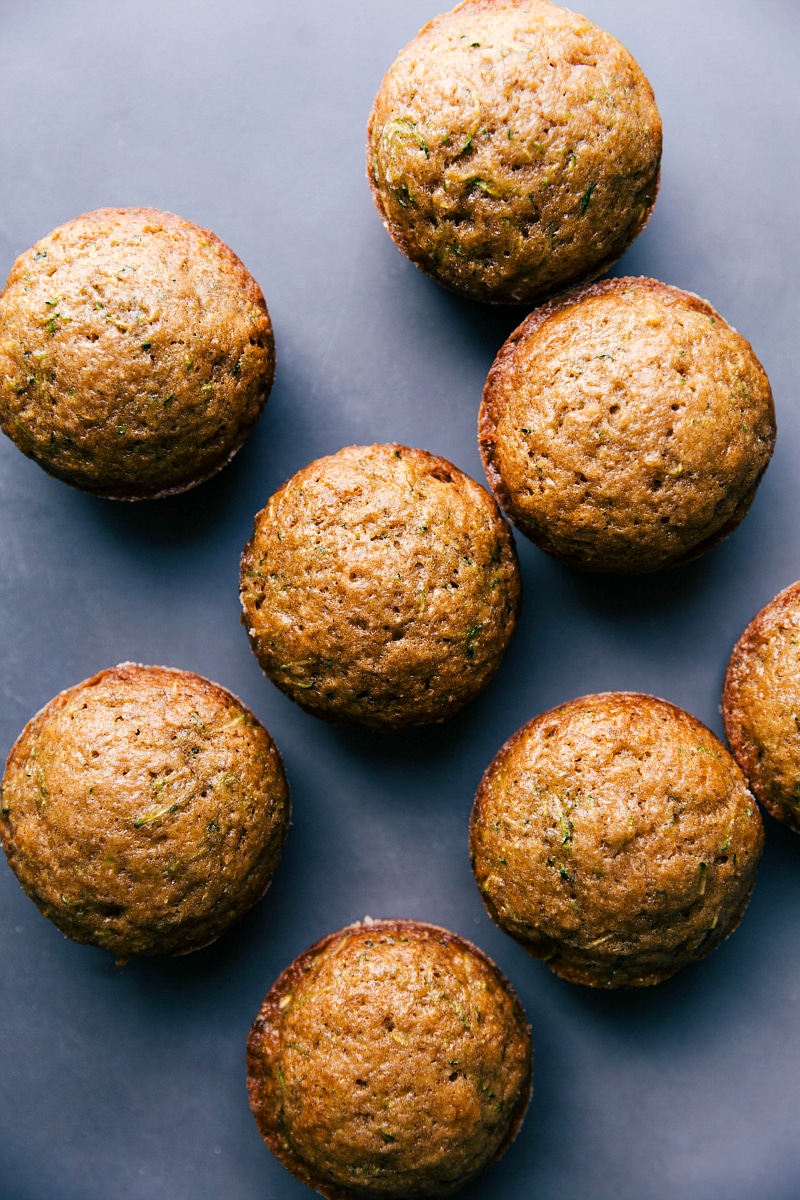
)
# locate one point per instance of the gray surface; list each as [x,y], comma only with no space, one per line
[248,116]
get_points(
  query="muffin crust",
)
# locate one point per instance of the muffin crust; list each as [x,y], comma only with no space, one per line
[625,426]
[615,839]
[136,353]
[144,810]
[513,149]
[380,587]
[759,705]
[390,1059]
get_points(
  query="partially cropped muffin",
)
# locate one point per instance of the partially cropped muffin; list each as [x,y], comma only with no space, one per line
[625,426]
[759,705]
[144,810]
[380,587]
[390,1059]
[514,149]
[616,839]
[136,353]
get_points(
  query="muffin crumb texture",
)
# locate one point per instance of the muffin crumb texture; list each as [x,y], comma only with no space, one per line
[136,353]
[391,1059]
[759,706]
[625,426]
[616,839]
[380,587]
[514,149]
[144,810]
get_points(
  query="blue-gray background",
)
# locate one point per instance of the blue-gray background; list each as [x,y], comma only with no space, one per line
[248,117]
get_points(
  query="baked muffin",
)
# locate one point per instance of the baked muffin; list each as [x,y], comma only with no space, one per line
[615,838]
[625,426]
[514,149]
[759,705]
[144,810]
[136,353]
[380,587]
[391,1059]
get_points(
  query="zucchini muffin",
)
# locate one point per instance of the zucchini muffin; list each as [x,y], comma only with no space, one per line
[136,353]
[759,706]
[144,810]
[391,1059]
[380,587]
[625,426]
[615,839]
[514,149]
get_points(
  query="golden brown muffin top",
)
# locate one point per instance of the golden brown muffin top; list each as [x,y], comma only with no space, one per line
[625,426]
[391,1059]
[616,839]
[380,587]
[136,353]
[144,810]
[513,149]
[760,705]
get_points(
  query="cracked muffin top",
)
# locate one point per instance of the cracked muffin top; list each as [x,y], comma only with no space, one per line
[514,149]
[380,587]
[136,353]
[759,705]
[615,839]
[391,1059]
[144,810]
[625,426]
